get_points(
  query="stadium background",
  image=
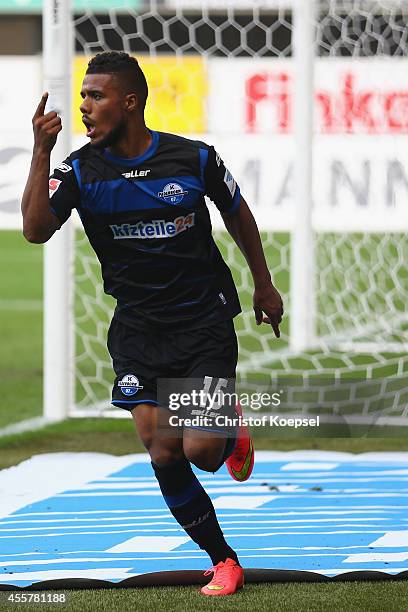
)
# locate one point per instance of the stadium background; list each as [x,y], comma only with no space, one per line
[261,117]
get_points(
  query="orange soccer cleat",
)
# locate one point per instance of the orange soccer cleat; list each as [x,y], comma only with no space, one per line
[241,462]
[228,578]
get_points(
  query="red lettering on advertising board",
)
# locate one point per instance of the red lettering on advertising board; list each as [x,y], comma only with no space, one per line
[273,88]
[350,109]
[396,109]
[357,107]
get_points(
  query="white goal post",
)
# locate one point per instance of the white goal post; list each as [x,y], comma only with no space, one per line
[337,249]
[58,385]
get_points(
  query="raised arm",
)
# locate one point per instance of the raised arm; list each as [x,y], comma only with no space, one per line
[39,222]
[243,229]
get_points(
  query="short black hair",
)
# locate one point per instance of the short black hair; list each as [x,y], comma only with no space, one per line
[126,67]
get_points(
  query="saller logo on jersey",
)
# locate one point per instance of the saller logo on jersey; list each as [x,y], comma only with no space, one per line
[129,385]
[135,173]
[64,167]
[172,193]
[159,228]
[53,185]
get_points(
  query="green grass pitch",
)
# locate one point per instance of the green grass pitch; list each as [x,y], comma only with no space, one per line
[348,597]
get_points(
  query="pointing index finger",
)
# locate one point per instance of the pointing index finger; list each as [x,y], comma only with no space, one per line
[41,107]
[275,327]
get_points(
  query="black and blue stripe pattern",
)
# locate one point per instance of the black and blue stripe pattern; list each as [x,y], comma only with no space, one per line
[148,222]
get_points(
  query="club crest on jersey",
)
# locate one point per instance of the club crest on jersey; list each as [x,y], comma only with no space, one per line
[53,185]
[129,385]
[173,193]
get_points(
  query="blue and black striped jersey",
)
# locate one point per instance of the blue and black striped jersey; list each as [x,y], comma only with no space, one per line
[148,222]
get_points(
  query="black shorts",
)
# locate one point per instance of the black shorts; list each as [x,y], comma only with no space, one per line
[140,358]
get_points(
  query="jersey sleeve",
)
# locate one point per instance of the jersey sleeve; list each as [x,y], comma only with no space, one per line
[220,185]
[64,192]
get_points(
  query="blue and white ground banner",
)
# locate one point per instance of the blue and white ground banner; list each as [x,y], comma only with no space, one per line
[92,515]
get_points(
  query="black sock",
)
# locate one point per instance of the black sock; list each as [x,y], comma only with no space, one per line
[193,509]
[229,446]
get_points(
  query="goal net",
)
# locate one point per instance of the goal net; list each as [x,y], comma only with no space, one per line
[223,72]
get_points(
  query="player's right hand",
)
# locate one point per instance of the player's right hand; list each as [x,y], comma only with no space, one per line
[45,127]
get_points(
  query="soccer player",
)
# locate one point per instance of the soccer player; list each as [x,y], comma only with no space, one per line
[140,196]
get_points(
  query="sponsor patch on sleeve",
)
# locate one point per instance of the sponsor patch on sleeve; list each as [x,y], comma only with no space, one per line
[64,167]
[230,182]
[53,185]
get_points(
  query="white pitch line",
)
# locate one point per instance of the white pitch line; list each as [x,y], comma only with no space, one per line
[220,479]
[338,495]
[307,480]
[403,471]
[97,526]
[293,494]
[120,485]
[297,466]
[175,552]
[377,557]
[58,535]
[322,510]
[238,534]
[318,521]
[21,305]
[351,473]
[378,494]
[301,533]
[95,552]
[101,573]
[343,515]
[82,493]
[338,571]
[6,563]
[170,520]
[301,548]
[5,523]
[68,512]
[141,527]
[392,539]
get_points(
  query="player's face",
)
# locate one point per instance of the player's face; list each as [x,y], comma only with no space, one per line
[102,109]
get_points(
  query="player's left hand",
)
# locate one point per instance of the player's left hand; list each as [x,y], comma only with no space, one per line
[267,300]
